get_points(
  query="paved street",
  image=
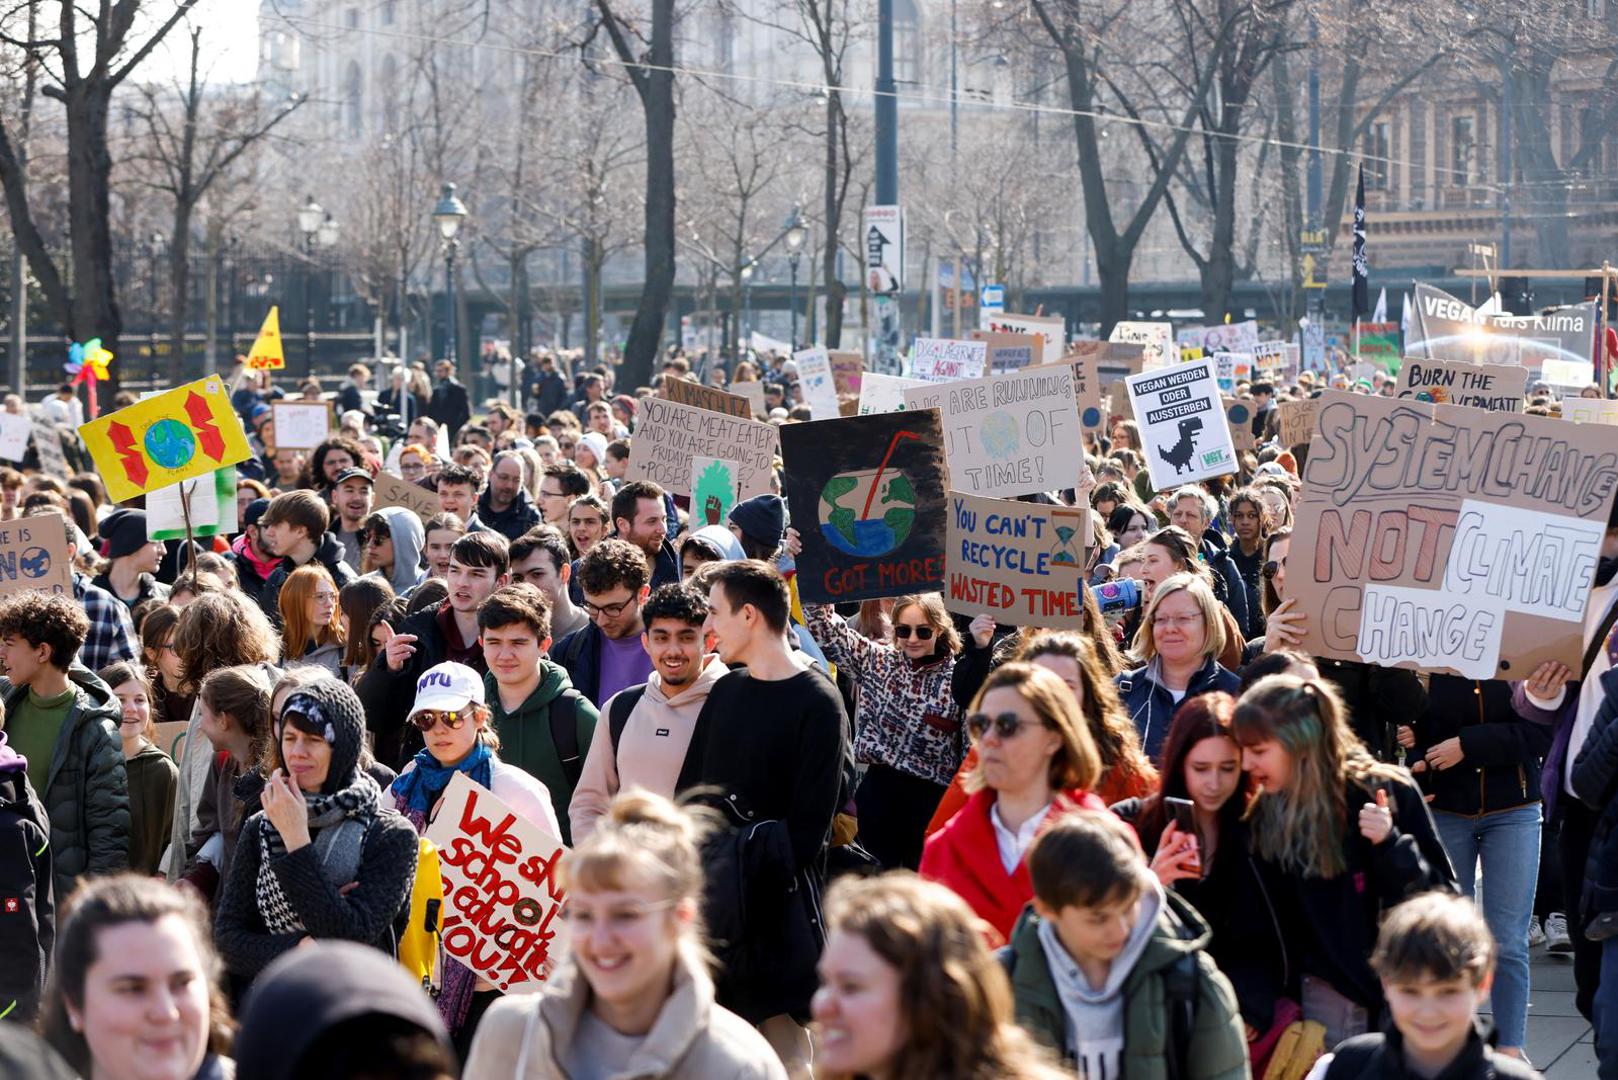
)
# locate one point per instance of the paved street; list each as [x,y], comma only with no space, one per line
[1560,1042]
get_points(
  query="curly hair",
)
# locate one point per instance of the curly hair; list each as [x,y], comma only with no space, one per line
[45,619]
[675,601]
[222,630]
[314,472]
[613,563]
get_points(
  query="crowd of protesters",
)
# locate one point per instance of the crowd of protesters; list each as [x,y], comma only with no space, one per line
[868,840]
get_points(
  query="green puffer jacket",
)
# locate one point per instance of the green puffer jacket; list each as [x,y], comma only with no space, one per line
[1218,1049]
[87,793]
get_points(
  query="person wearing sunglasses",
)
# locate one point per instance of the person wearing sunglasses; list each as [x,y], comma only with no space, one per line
[324,858]
[453,718]
[1181,637]
[1036,762]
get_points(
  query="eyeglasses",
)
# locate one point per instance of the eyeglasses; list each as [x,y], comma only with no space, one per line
[378,538]
[567,445]
[611,611]
[1177,621]
[1006,725]
[923,633]
[427,719]
[552,494]
[1273,567]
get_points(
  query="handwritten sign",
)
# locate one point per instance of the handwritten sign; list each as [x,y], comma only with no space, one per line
[847,370]
[1157,338]
[395,491]
[212,507]
[1275,360]
[866,494]
[1590,410]
[1239,413]
[1448,538]
[687,392]
[1013,352]
[668,435]
[1298,421]
[713,491]
[885,393]
[301,425]
[1019,562]
[48,445]
[1237,337]
[501,898]
[14,431]
[1182,423]
[34,555]
[1011,434]
[818,381]
[1231,368]
[177,435]
[1050,329]
[1496,387]
[945,359]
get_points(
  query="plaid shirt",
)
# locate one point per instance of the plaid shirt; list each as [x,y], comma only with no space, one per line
[112,633]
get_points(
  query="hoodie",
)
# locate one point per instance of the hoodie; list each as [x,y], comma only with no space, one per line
[720,539]
[251,571]
[525,733]
[651,748]
[26,933]
[153,782]
[408,539]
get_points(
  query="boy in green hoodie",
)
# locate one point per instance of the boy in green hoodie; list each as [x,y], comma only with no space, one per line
[1110,970]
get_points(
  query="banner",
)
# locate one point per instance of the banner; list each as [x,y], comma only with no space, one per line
[1006,435]
[396,491]
[1157,338]
[885,393]
[501,899]
[301,425]
[1449,539]
[816,380]
[177,435]
[945,359]
[668,435]
[266,353]
[1182,423]
[686,392]
[1050,329]
[34,554]
[1444,327]
[866,494]
[1494,387]
[1022,563]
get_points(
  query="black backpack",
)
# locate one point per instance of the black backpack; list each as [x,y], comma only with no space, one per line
[564,721]
[623,706]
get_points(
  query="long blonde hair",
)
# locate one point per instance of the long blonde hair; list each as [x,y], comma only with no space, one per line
[1302,827]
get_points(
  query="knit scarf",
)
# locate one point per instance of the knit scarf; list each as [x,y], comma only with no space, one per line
[338,822]
[416,788]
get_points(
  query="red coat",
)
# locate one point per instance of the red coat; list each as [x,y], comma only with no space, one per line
[964,856]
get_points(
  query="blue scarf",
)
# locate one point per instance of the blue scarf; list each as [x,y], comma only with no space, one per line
[416,788]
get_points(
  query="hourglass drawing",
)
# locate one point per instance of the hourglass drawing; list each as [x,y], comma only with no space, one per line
[1069,550]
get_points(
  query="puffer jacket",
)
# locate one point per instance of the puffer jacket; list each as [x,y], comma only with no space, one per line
[1151,705]
[87,794]
[907,717]
[329,554]
[1595,782]
[28,930]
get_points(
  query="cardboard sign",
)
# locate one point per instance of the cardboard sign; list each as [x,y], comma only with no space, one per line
[1012,352]
[1019,562]
[48,446]
[395,491]
[1182,423]
[1298,421]
[1087,392]
[213,507]
[687,392]
[847,370]
[1011,434]
[818,382]
[1275,360]
[170,737]
[1590,410]
[713,491]
[866,494]
[1239,413]
[668,435]
[1447,382]
[1157,338]
[301,425]
[177,435]
[1050,329]
[1239,337]
[885,393]
[35,555]
[1118,403]
[751,391]
[14,431]
[945,359]
[501,899]
[1447,538]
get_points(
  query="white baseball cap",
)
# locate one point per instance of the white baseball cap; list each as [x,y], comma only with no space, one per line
[448,687]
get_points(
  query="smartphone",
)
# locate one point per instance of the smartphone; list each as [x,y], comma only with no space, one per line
[1183,812]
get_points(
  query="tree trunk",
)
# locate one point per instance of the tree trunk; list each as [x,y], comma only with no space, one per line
[656,86]
[835,289]
[592,302]
[179,282]
[95,310]
[1219,270]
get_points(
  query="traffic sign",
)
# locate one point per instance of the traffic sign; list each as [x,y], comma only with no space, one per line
[993,297]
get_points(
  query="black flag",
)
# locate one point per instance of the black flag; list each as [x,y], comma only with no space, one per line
[1362,277]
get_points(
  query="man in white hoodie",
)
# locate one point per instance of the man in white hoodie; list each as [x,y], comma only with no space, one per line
[647,728]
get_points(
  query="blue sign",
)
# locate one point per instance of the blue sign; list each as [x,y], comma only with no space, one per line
[993,298]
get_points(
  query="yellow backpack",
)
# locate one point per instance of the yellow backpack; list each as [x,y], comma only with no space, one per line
[420,946]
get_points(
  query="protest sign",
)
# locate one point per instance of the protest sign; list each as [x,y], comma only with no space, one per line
[751,391]
[866,494]
[301,425]
[1298,421]
[885,393]
[1011,434]
[501,899]
[713,491]
[1239,415]
[1157,338]
[1118,402]
[1448,538]
[1567,373]
[48,447]
[1087,392]
[817,382]
[1050,329]
[687,392]
[34,554]
[1111,360]
[395,491]
[1012,352]
[1238,337]
[1590,410]
[212,507]
[1498,388]
[1019,562]
[945,359]
[177,435]
[170,738]
[1189,339]
[668,435]
[1274,360]
[1231,368]
[266,353]
[847,370]
[1444,327]
[1182,424]
[14,431]
[1379,347]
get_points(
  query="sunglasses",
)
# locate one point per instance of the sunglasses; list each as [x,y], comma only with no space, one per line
[923,633]
[1006,725]
[1273,567]
[428,719]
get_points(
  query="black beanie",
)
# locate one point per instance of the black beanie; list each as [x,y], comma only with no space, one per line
[123,532]
[333,711]
[762,519]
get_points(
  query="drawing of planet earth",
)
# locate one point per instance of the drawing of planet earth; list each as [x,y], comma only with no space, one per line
[170,443]
[891,518]
[35,563]
[999,435]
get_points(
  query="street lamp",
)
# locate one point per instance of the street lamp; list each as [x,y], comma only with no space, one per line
[747,305]
[310,216]
[796,233]
[448,215]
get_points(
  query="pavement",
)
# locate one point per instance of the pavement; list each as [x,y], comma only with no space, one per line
[1561,1043]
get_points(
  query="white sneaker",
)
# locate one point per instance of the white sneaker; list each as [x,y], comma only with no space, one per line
[1536,934]
[1556,939]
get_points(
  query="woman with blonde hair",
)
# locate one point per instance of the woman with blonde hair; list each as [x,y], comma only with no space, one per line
[1178,645]
[634,993]
[311,621]
[1349,835]
[1036,762]
[909,989]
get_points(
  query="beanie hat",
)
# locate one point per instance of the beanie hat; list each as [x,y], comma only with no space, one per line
[597,443]
[123,532]
[762,519]
[329,708]
[254,511]
[626,403]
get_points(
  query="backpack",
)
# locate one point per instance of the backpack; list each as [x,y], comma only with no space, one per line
[564,721]
[623,706]
[421,940]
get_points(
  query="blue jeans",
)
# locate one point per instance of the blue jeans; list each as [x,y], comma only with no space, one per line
[1606,1012]
[1507,842]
